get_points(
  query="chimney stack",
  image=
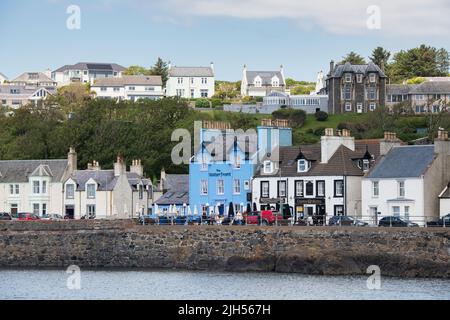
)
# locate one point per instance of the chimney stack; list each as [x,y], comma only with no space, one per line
[390,141]
[137,167]
[330,143]
[72,160]
[331,66]
[119,166]
[442,135]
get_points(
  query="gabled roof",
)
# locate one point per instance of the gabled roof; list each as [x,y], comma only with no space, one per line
[177,186]
[404,162]
[342,163]
[266,77]
[17,171]
[129,80]
[105,179]
[32,77]
[191,72]
[221,148]
[3,76]
[365,69]
[92,66]
[25,91]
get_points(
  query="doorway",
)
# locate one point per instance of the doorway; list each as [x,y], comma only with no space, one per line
[70,212]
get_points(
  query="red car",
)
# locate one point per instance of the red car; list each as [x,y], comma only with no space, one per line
[23,216]
[264,218]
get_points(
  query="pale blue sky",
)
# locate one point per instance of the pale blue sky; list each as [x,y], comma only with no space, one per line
[303,35]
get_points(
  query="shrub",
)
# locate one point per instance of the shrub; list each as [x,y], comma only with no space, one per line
[296,117]
[321,116]
[319,132]
[202,103]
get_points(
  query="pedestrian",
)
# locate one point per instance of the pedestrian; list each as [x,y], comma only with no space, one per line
[310,221]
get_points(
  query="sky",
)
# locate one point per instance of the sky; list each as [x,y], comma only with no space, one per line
[301,35]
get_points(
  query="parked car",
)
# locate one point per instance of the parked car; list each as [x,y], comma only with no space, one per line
[52,217]
[163,220]
[264,218]
[444,221]
[346,221]
[396,222]
[232,221]
[24,216]
[5,216]
[194,219]
[148,219]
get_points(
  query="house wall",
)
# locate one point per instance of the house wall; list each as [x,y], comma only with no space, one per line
[329,200]
[388,190]
[124,93]
[219,171]
[354,196]
[444,207]
[25,199]
[172,85]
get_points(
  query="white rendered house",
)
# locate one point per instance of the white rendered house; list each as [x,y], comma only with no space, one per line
[34,186]
[85,72]
[191,82]
[108,194]
[261,83]
[130,88]
[407,183]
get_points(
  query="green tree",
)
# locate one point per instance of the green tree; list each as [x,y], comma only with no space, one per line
[380,57]
[161,68]
[137,71]
[423,61]
[353,58]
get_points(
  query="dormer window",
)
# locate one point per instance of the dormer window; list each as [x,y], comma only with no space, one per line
[204,164]
[237,162]
[359,78]
[268,167]
[373,77]
[365,165]
[302,165]
[275,82]
[257,82]
[348,77]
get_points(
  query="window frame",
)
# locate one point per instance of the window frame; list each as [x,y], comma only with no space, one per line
[320,182]
[263,183]
[297,193]
[335,183]
[220,187]
[279,183]
[88,190]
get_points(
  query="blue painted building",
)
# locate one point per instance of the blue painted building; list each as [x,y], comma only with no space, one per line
[221,171]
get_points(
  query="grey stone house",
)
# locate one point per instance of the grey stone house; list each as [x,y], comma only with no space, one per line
[429,96]
[355,88]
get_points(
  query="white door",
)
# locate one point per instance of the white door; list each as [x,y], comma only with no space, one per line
[359,108]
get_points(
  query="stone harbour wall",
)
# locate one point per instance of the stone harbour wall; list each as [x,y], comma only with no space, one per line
[399,252]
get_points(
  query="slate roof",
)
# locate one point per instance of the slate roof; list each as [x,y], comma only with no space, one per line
[92,66]
[342,163]
[105,179]
[220,149]
[404,162]
[191,72]
[27,77]
[129,80]
[266,77]
[427,87]
[25,91]
[20,170]
[177,186]
[340,69]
